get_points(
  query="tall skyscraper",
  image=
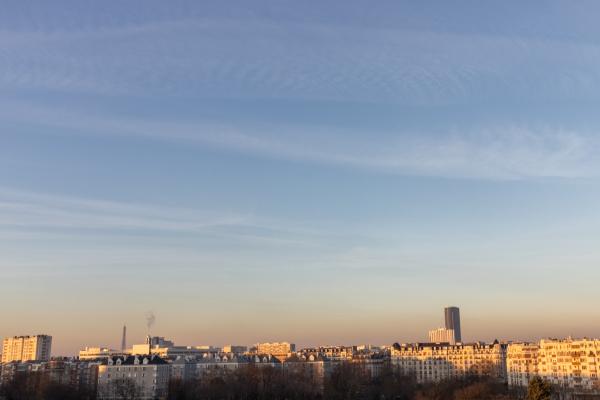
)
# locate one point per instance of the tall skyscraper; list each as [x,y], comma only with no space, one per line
[452,315]
[26,348]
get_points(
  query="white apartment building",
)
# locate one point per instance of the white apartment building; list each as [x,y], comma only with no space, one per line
[442,335]
[173,352]
[572,364]
[139,377]
[96,353]
[26,348]
[433,362]
[166,349]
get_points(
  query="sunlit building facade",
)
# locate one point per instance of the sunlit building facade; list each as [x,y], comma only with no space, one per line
[521,363]
[96,353]
[442,335]
[333,353]
[434,362]
[26,348]
[229,348]
[281,350]
[572,364]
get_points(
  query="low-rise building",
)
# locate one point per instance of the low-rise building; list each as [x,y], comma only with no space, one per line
[229,348]
[97,353]
[166,349]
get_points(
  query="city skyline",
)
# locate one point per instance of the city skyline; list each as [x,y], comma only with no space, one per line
[567,367]
[422,337]
[277,171]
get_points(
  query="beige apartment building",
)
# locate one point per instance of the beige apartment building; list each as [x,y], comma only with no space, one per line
[333,353]
[521,363]
[434,362]
[572,364]
[281,350]
[26,348]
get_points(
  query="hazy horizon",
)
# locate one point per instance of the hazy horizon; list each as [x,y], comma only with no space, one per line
[280,171]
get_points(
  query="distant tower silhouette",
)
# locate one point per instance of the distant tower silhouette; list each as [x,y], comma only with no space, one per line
[124,339]
[452,315]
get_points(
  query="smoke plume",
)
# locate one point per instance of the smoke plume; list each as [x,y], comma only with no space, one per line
[150,319]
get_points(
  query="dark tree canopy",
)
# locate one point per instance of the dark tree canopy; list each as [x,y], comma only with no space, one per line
[539,389]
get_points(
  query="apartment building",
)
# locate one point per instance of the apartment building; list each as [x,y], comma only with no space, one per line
[442,335]
[281,350]
[521,363]
[571,364]
[139,377]
[26,348]
[333,353]
[80,376]
[433,362]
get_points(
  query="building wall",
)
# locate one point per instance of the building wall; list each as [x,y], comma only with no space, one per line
[521,361]
[280,350]
[78,375]
[235,349]
[26,348]
[435,362]
[568,363]
[150,381]
[336,353]
[95,353]
[442,335]
[452,319]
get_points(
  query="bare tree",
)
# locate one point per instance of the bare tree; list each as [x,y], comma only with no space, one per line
[122,389]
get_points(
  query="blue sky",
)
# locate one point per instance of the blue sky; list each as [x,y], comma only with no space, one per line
[328,173]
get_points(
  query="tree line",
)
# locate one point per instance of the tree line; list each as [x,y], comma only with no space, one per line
[347,381]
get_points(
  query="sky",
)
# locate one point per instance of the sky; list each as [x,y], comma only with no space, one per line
[316,172]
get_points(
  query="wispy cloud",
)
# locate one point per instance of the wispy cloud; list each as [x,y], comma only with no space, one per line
[20,208]
[261,58]
[24,213]
[488,152]
[258,58]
